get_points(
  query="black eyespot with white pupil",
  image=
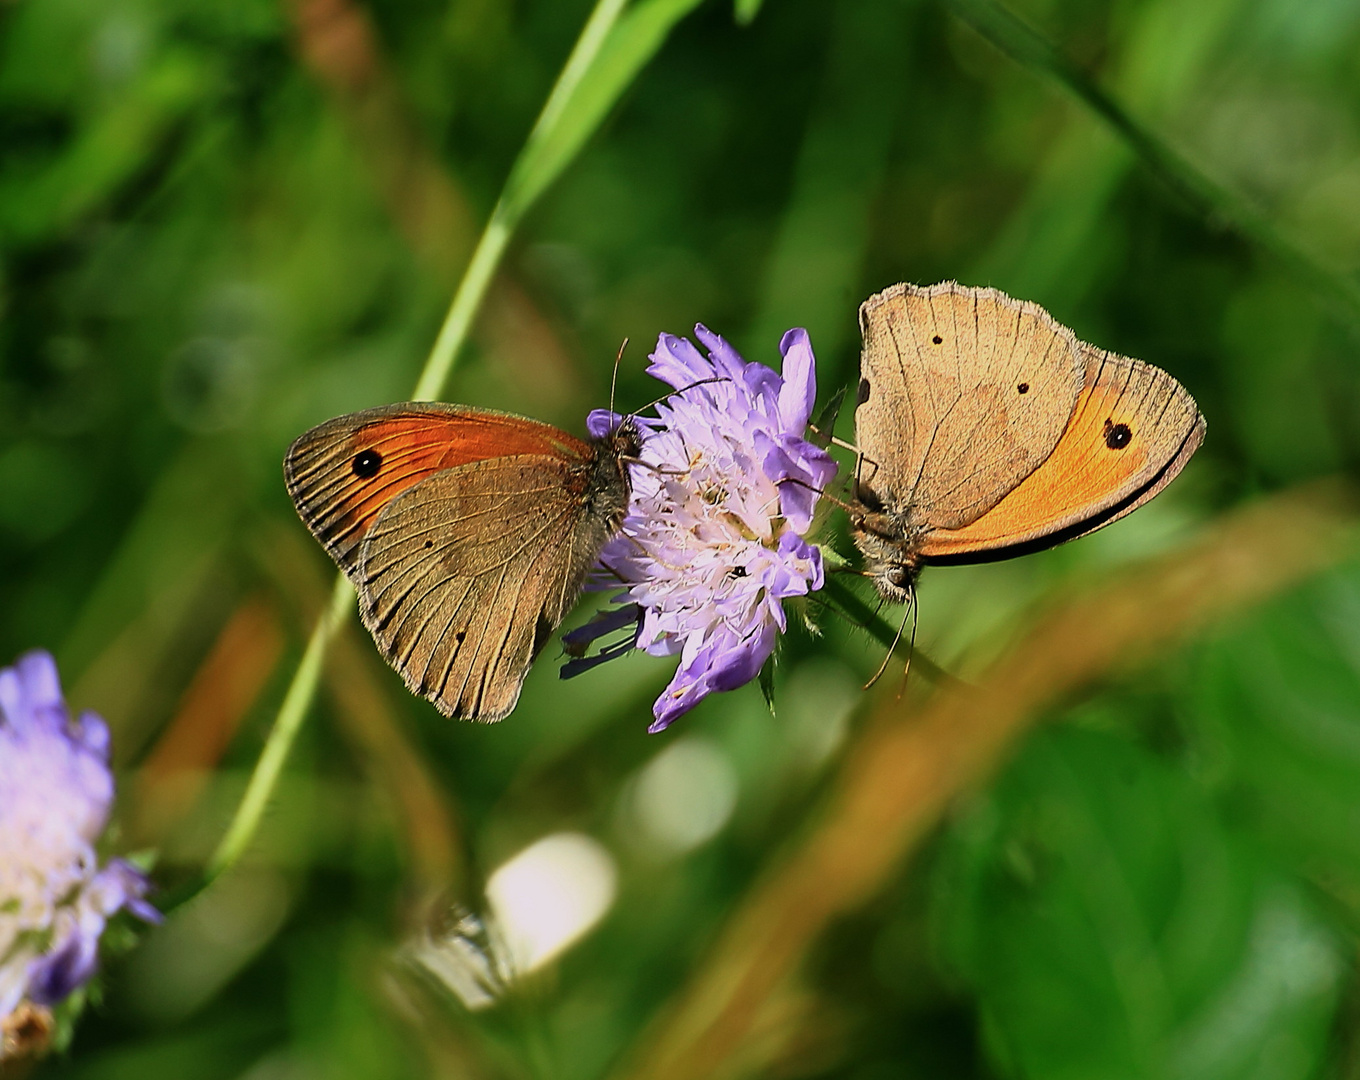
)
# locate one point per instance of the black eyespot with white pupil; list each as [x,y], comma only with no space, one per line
[1117,436]
[1022,388]
[366,464]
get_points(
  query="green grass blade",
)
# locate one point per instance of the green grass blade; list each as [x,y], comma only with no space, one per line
[301,691]
[608,55]
[612,49]
[576,110]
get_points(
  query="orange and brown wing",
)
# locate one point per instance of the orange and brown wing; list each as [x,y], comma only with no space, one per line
[343,473]
[463,577]
[1132,431]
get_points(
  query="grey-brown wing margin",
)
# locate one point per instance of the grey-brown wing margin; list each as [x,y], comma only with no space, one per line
[463,576]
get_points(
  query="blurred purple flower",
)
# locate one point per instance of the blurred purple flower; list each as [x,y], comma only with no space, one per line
[55,794]
[713,541]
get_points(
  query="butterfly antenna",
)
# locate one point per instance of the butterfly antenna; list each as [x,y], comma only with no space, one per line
[911,643]
[893,647]
[614,378]
[660,470]
[691,386]
[820,491]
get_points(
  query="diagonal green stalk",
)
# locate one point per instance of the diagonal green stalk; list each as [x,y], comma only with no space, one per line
[885,633]
[512,205]
[1216,203]
[522,188]
[286,725]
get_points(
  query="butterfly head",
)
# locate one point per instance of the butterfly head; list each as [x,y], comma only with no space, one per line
[889,543]
[890,560]
[609,486]
[625,441]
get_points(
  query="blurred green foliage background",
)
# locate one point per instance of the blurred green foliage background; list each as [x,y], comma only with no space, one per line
[223,221]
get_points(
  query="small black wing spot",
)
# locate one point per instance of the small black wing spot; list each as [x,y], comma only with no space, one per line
[863,395]
[1117,436]
[937,340]
[1022,388]
[366,464]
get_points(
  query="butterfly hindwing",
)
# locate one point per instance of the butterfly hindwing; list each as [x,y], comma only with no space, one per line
[462,577]
[343,473]
[1133,429]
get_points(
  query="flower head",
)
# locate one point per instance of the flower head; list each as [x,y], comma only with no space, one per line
[714,537]
[55,794]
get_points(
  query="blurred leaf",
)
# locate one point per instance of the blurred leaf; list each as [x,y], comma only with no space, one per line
[767,684]
[567,123]
[909,765]
[1112,927]
[1275,705]
[746,11]
[110,147]
[1216,202]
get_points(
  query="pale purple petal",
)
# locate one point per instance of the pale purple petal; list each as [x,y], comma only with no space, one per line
[601,423]
[55,794]
[677,362]
[799,392]
[725,359]
[714,537]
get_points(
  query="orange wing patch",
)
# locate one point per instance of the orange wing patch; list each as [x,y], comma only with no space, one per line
[1132,429]
[343,473]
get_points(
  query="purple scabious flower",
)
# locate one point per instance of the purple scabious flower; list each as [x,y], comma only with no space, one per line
[55,794]
[714,537]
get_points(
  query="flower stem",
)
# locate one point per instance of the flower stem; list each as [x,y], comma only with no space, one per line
[281,736]
[886,634]
[466,301]
[500,227]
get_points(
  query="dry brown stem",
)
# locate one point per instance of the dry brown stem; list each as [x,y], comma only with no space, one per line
[911,761]
[223,690]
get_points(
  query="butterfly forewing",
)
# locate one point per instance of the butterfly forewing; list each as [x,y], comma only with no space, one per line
[964,393]
[467,534]
[343,473]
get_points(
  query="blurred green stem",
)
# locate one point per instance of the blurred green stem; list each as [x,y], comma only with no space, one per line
[291,713]
[871,620]
[1216,203]
[512,205]
[522,188]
